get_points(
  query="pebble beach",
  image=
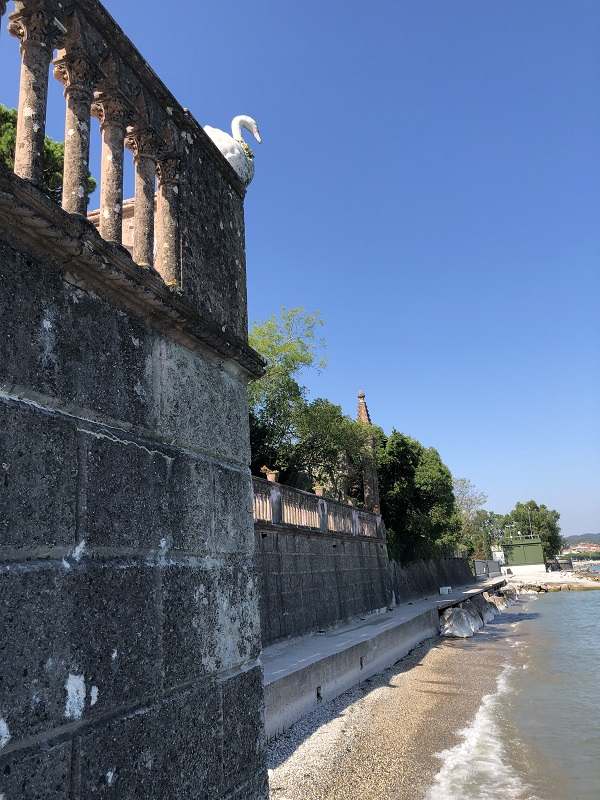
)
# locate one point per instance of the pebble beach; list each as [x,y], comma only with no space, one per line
[381,740]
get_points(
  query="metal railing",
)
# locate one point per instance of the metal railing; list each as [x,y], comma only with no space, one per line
[284,505]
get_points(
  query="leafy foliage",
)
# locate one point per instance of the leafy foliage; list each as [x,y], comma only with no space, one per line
[485,528]
[310,443]
[593,555]
[54,154]
[330,447]
[476,524]
[426,512]
[417,500]
[289,344]
[539,520]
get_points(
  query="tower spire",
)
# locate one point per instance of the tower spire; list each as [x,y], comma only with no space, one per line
[363,410]
[370,482]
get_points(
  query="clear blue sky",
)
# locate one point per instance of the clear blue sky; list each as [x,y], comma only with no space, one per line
[430,181]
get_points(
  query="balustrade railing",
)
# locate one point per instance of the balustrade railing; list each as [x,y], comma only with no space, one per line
[104,76]
[284,505]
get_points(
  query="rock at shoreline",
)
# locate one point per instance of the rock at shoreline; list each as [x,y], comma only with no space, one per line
[457,623]
[496,600]
[465,620]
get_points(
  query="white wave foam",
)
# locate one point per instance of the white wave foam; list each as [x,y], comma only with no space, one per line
[477,767]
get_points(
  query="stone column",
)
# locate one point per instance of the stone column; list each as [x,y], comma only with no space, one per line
[167,227]
[276,501]
[323,516]
[110,110]
[76,73]
[144,147]
[33,31]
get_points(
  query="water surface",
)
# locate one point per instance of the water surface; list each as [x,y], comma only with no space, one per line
[537,736]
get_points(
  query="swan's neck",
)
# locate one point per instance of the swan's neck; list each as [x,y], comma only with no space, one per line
[237,123]
[236,129]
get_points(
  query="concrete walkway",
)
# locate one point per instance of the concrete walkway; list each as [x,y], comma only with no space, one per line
[300,673]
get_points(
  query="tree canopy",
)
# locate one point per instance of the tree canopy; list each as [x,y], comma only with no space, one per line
[289,344]
[540,520]
[476,524]
[313,443]
[417,499]
[310,443]
[54,155]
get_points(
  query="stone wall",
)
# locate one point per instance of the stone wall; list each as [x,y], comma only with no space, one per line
[129,619]
[311,580]
[425,577]
[128,601]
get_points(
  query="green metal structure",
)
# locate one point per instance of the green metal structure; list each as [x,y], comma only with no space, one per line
[521,549]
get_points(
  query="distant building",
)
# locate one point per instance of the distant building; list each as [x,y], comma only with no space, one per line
[582,547]
[522,553]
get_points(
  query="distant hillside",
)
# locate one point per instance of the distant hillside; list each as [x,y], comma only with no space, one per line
[594,538]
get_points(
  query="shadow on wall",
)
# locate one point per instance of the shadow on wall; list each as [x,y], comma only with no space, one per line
[421,578]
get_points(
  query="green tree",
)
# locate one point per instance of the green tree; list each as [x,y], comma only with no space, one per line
[330,447]
[417,499]
[486,528]
[54,155]
[473,520]
[289,344]
[540,520]
[310,443]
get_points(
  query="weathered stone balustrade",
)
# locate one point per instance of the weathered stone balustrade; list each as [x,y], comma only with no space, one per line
[278,504]
[175,162]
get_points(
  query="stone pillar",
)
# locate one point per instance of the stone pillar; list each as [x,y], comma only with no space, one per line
[32,28]
[276,505]
[144,147]
[167,222]
[110,110]
[323,516]
[75,72]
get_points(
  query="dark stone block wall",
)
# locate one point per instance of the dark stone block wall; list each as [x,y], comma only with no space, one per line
[314,580]
[421,578]
[213,254]
[129,627]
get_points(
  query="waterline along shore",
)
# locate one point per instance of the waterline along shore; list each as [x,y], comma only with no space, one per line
[456,719]
[381,738]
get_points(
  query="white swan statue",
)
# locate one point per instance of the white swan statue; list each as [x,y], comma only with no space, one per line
[234,148]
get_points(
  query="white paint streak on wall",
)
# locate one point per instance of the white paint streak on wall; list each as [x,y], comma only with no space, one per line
[111,776]
[75,686]
[99,435]
[94,695]
[79,550]
[114,654]
[4,733]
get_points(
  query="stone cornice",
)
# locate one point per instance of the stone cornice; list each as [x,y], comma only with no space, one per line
[41,228]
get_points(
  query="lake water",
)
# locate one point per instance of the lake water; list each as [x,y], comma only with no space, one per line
[537,736]
[595,567]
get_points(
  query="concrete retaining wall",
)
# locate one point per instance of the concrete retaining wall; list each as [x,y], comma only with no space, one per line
[425,577]
[292,696]
[311,580]
[314,580]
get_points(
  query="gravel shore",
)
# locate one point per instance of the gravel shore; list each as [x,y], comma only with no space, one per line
[379,741]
